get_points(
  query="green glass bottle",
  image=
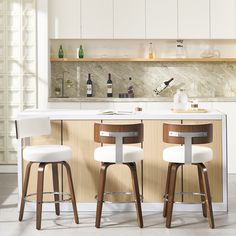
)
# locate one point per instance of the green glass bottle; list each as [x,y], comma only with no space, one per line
[61,52]
[81,52]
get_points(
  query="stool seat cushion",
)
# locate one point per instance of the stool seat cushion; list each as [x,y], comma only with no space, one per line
[47,153]
[108,154]
[176,154]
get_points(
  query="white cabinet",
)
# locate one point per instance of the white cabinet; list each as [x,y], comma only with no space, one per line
[161,19]
[223,19]
[64,19]
[193,19]
[97,19]
[140,19]
[129,19]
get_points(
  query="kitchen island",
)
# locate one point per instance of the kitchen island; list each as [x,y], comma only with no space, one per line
[75,129]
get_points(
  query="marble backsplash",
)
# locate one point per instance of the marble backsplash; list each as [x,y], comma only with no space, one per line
[199,79]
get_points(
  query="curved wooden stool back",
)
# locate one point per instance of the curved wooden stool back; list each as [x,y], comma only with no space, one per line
[175,133]
[187,135]
[105,133]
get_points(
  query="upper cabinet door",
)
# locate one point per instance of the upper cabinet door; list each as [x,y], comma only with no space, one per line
[193,19]
[129,19]
[161,19]
[64,19]
[223,19]
[97,19]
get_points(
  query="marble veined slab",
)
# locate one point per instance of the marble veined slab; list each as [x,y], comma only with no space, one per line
[200,79]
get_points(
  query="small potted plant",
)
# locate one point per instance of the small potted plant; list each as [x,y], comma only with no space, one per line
[57,91]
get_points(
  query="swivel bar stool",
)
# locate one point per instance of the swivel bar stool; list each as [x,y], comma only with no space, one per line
[188,154]
[118,154]
[44,155]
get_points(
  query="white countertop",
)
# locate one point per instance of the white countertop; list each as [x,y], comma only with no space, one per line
[154,99]
[66,114]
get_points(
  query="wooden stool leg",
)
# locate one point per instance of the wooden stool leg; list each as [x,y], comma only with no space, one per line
[72,192]
[207,195]
[24,190]
[201,187]
[39,200]
[55,186]
[166,190]
[136,193]
[102,182]
[171,193]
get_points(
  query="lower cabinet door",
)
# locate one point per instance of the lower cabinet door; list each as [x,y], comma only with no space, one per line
[85,170]
[155,169]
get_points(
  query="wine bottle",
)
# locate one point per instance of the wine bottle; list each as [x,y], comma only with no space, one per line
[61,52]
[81,52]
[109,86]
[162,86]
[89,83]
[130,88]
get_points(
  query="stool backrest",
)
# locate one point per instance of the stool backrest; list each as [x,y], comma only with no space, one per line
[106,133]
[119,135]
[32,126]
[187,134]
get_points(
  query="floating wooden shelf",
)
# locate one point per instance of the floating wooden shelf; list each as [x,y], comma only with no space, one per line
[143,60]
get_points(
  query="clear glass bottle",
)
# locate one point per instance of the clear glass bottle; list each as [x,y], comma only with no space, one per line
[151,54]
[180,50]
[180,100]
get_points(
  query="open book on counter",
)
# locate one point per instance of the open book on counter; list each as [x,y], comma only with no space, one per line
[114,112]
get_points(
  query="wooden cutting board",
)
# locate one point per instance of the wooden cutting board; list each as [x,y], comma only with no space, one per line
[199,110]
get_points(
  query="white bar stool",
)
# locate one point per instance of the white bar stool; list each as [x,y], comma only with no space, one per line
[118,154]
[188,154]
[44,155]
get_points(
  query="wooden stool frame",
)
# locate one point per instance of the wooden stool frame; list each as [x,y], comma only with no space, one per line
[106,133]
[39,194]
[169,197]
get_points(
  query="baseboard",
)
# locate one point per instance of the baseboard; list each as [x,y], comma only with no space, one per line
[8,169]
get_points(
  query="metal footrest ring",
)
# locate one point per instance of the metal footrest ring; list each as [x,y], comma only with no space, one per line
[49,193]
[118,193]
[165,197]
